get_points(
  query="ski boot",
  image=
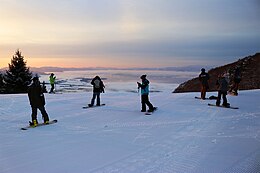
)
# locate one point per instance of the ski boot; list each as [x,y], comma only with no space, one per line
[227,105]
[34,123]
[151,110]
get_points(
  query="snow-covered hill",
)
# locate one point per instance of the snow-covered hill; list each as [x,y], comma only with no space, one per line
[184,135]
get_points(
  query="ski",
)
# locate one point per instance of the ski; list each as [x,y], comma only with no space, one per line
[230,107]
[86,107]
[40,124]
[150,113]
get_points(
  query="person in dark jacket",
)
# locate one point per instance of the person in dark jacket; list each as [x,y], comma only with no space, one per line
[222,85]
[236,80]
[37,101]
[144,94]
[98,87]
[204,78]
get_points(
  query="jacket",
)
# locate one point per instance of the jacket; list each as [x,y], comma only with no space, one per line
[222,84]
[204,77]
[52,79]
[144,87]
[98,85]
[36,96]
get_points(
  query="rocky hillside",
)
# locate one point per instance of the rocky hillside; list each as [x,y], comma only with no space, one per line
[250,68]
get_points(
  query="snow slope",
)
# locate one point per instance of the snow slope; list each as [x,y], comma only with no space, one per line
[184,135]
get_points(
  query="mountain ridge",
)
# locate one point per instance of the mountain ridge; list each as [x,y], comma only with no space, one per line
[250,75]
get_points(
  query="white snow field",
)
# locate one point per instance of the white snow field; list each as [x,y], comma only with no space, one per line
[183,136]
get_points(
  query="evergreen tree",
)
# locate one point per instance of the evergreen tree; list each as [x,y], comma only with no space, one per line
[18,76]
[1,83]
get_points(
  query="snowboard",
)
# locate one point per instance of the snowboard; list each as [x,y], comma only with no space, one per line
[150,113]
[230,107]
[39,125]
[201,98]
[209,98]
[86,107]
[55,93]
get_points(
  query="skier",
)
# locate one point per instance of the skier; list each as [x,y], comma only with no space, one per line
[98,87]
[37,101]
[222,85]
[203,77]
[52,82]
[144,94]
[236,81]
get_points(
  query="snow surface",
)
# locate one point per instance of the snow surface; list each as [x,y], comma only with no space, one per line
[184,135]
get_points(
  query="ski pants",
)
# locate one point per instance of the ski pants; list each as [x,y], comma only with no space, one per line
[95,94]
[235,87]
[145,101]
[43,112]
[52,88]
[203,91]
[224,96]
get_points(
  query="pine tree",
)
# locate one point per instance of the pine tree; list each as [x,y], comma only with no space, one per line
[1,83]
[18,76]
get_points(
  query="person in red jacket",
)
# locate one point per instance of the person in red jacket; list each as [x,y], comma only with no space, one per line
[236,80]
[204,78]
[37,101]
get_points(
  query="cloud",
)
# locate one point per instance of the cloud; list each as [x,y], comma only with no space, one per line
[148,29]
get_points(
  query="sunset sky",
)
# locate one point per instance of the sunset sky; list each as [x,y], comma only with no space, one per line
[128,33]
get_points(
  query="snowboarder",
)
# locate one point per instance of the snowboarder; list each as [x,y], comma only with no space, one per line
[236,81]
[37,101]
[204,78]
[144,94]
[98,87]
[52,79]
[222,85]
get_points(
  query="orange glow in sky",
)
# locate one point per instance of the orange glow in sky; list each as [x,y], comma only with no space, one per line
[128,33]
[65,62]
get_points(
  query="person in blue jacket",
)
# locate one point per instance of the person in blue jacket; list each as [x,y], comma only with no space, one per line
[144,94]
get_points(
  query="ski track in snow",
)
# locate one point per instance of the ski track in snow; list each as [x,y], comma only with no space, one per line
[184,135]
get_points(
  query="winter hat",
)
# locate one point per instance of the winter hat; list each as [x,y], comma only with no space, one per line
[143,76]
[203,69]
[97,77]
